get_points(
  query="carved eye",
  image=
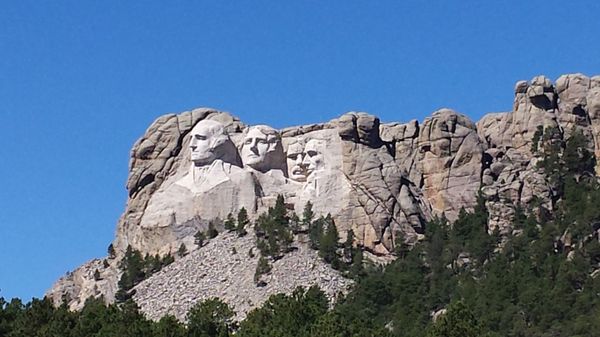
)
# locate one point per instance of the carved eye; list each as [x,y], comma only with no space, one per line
[248,141]
[261,141]
[312,153]
[293,156]
[200,137]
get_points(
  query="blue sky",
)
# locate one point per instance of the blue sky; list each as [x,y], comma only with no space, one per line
[80,81]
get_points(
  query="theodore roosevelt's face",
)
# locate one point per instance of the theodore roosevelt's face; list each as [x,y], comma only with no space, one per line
[295,162]
[204,142]
[303,160]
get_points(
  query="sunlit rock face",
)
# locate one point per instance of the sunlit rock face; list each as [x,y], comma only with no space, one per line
[383,181]
[343,168]
[449,160]
[510,174]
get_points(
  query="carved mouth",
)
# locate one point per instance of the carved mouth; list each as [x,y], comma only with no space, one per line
[297,170]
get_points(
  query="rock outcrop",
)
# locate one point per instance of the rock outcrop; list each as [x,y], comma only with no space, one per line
[511,175]
[383,181]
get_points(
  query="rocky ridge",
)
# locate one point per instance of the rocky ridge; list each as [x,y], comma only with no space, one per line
[382,180]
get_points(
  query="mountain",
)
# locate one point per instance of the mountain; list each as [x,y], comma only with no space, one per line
[381,183]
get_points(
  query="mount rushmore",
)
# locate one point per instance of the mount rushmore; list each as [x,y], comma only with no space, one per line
[384,181]
[344,168]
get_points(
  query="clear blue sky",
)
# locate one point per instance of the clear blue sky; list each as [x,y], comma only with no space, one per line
[80,81]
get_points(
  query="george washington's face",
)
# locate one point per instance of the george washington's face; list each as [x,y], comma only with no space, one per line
[206,138]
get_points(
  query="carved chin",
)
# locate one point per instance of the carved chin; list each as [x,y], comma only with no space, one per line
[298,177]
[253,161]
[202,159]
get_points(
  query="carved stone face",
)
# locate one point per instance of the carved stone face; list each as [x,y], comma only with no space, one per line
[313,158]
[207,141]
[295,162]
[304,159]
[261,149]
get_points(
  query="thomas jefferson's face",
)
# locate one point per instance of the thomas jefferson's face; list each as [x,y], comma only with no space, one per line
[203,142]
[255,148]
[261,149]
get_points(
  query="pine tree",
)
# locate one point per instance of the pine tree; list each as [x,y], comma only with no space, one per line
[273,235]
[307,215]
[458,321]
[111,251]
[577,158]
[230,223]
[199,238]
[211,318]
[315,232]
[167,260]
[153,263]
[133,267]
[212,231]
[262,267]
[348,246]
[169,326]
[242,222]
[279,212]
[182,251]
[401,248]
[356,269]
[295,224]
[329,243]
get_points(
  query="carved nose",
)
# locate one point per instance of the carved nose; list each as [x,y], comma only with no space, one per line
[253,148]
[299,159]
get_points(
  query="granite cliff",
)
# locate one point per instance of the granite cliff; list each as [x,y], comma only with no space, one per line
[383,181]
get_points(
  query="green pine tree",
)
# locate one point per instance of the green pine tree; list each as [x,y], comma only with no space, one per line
[199,238]
[182,251]
[230,223]
[242,222]
[212,232]
[458,321]
[210,318]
